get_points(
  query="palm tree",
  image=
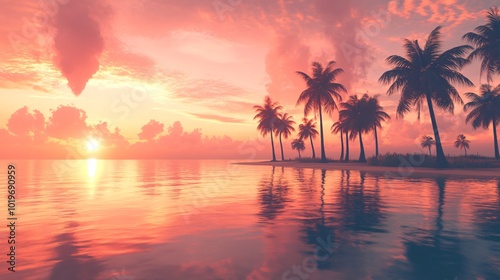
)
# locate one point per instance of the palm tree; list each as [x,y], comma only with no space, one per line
[462,143]
[346,144]
[298,144]
[427,142]
[486,40]
[267,116]
[485,110]
[354,116]
[427,75]
[338,127]
[322,92]
[376,114]
[308,130]
[284,127]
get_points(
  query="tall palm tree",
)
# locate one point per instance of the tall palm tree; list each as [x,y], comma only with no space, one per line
[346,158]
[462,143]
[267,116]
[375,114]
[322,92]
[284,127]
[354,115]
[298,144]
[486,40]
[308,130]
[427,142]
[427,74]
[337,127]
[485,110]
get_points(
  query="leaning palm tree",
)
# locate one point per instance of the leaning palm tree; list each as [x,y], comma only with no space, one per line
[354,115]
[267,116]
[427,142]
[308,130]
[376,115]
[486,40]
[337,127]
[462,143]
[427,75]
[485,110]
[298,144]
[284,127]
[322,92]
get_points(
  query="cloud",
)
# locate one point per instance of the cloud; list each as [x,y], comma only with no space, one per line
[23,123]
[78,41]
[217,118]
[448,12]
[67,122]
[150,130]
[103,134]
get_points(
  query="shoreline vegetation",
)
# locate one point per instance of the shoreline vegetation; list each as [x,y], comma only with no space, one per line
[426,79]
[398,165]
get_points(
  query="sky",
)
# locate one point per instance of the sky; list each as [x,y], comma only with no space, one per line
[178,79]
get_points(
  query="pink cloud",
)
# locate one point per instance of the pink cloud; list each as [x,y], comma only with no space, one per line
[78,41]
[67,122]
[106,138]
[150,130]
[26,125]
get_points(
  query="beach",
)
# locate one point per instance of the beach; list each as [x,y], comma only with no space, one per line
[390,171]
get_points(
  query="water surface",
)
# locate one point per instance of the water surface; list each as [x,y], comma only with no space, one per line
[101,219]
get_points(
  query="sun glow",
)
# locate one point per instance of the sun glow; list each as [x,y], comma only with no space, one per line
[92,145]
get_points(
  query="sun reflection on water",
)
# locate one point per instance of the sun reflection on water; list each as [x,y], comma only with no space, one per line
[91,167]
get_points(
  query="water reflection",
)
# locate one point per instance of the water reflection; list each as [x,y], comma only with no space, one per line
[260,224]
[273,194]
[360,208]
[72,264]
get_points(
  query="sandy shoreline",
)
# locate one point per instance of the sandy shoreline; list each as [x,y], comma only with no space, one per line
[391,171]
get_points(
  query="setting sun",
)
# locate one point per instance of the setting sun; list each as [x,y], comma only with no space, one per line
[92,145]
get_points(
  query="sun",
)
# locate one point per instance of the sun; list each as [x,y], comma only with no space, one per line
[92,145]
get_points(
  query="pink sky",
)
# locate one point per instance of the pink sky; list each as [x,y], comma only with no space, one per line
[179,78]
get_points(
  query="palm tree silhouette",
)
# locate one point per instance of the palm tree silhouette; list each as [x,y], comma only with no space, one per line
[268,115]
[337,127]
[322,92]
[427,142]
[308,130]
[427,75]
[462,143]
[486,40]
[485,110]
[346,144]
[376,114]
[298,144]
[284,127]
[354,116]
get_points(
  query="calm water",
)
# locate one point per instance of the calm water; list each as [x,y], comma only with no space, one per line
[138,220]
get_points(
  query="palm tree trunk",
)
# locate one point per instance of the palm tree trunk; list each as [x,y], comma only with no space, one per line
[441,161]
[465,150]
[376,140]
[346,146]
[312,147]
[281,145]
[272,146]
[342,144]
[323,154]
[429,147]
[299,153]
[497,155]
[362,149]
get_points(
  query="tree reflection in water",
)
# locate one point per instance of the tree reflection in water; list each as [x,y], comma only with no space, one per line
[273,195]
